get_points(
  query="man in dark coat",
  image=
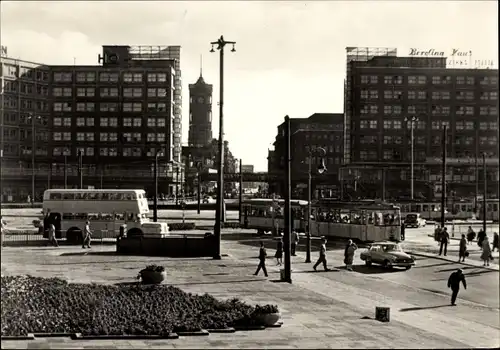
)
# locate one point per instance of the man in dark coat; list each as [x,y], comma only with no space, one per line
[454,283]
[262,260]
[480,238]
[445,238]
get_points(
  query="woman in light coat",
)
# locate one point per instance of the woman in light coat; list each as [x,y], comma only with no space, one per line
[486,254]
[349,254]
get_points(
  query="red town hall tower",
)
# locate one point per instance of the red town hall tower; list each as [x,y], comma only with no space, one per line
[200,113]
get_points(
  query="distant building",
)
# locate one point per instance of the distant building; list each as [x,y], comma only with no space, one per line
[200,113]
[384,92]
[320,130]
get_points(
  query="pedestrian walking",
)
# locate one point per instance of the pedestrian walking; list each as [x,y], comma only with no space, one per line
[262,260]
[349,251]
[279,252]
[444,239]
[495,242]
[87,235]
[486,254]
[454,283]
[2,230]
[52,236]
[295,242]
[462,251]
[480,237]
[470,235]
[322,256]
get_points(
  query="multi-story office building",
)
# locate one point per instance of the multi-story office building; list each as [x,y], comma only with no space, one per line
[320,130]
[24,117]
[388,97]
[118,116]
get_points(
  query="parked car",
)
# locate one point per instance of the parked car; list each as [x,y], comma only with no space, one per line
[414,220]
[387,254]
[208,199]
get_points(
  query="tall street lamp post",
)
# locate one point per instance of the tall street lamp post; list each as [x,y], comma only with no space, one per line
[288,194]
[220,171]
[33,120]
[411,122]
[155,176]
[240,194]
[321,170]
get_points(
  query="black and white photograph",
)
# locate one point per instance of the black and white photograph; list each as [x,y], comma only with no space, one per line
[249,174]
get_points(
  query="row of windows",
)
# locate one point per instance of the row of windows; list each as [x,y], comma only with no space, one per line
[422,109]
[422,95]
[109,77]
[105,196]
[112,136]
[422,140]
[16,71]
[14,103]
[330,136]
[110,107]
[110,122]
[421,125]
[24,88]
[108,92]
[392,154]
[103,151]
[422,79]
[327,148]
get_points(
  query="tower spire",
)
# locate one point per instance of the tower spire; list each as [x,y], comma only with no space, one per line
[201,65]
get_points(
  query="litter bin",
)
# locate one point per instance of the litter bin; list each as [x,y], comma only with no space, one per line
[282,274]
[382,314]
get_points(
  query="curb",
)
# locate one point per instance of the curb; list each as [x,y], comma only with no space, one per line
[80,336]
[426,255]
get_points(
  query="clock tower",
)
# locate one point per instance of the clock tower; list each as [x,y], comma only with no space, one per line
[200,113]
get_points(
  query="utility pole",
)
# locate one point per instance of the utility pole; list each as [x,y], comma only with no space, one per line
[177,186]
[80,169]
[241,191]
[220,171]
[198,166]
[443,178]
[33,151]
[155,177]
[412,121]
[309,191]
[287,216]
[383,185]
[476,169]
[484,192]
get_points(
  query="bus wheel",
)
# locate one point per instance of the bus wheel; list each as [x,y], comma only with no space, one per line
[260,232]
[135,232]
[74,236]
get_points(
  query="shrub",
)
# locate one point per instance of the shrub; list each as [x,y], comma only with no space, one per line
[154,268]
[51,305]
[179,226]
[266,309]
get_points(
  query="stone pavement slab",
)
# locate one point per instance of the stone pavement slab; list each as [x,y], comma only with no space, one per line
[312,318]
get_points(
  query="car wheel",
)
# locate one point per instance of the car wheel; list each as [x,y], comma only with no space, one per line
[408,267]
[368,262]
[387,264]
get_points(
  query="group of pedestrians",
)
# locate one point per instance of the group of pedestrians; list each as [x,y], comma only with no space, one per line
[349,252]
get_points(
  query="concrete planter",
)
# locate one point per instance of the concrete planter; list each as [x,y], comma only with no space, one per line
[268,319]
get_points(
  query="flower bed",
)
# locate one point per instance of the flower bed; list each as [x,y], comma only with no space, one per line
[40,305]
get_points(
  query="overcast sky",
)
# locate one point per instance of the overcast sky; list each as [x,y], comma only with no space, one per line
[290,56]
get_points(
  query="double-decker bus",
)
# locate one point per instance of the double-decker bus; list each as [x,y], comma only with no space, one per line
[367,221]
[107,210]
[264,214]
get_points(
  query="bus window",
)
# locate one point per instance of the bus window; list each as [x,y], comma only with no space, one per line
[98,196]
[105,196]
[119,217]
[55,196]
[495,207]
[414,208]
[425,208]
[489,207]
[433,207]
[91,196]
[68,196]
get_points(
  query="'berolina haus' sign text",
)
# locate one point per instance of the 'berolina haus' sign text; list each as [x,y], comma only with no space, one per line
[436,53]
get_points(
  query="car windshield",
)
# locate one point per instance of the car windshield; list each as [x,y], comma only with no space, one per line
[411,217]
[392,248]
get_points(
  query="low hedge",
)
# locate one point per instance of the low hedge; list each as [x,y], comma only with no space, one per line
[52,305]
[233,224]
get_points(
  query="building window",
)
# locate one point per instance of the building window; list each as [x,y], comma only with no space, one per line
[109,92]
[57,121]
[63,77]
[412,95]
[364,94]
[460,80]
[488,126]
[373,94]
[66,136]
[160,137]
[151,122]
[127,152]
[85,107]
[393,94]
[89,136]
[104,121]
[103,136]
[80,136]
[57,136]
[113,137]
[58,91]
[90,121]
[83,77]
[127,121]
[390,79]
[113,122]
[422,95]
[493,95]
[62,106]
[137,122]
[132,107]
[89,92]
[80,121]
[412,109]
[108,77]
[412,80]
[369,140]
[109,107]
[157,77]
[469,110]
[132,92]
[67,122]
[157,107]
[151,137]
[161,122]
[103,152]
[392,124]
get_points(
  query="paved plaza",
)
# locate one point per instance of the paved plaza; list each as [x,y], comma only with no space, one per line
[332,309]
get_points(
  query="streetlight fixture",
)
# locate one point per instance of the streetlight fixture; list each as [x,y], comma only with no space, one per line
[33,119]
[220,171]
[411,122]
[321,170]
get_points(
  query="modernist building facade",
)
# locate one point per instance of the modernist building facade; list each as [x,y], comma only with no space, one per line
[320,130]
[120,117]
[388,96]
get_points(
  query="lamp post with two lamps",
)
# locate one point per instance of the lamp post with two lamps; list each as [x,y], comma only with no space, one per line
[321,170]
[411,121]
[221,43]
